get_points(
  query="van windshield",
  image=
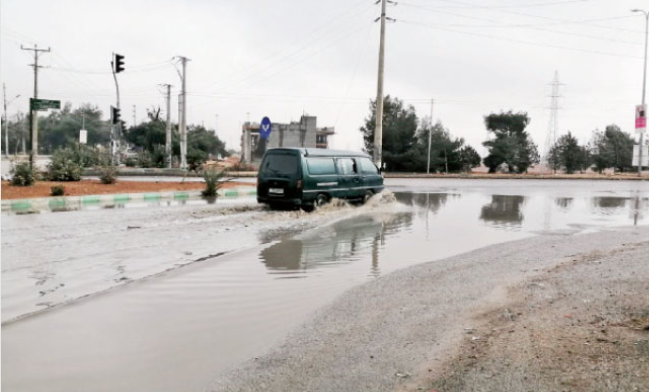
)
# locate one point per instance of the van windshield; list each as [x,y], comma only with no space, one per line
[279,165]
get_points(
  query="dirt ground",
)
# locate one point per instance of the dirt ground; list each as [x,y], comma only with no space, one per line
[94,187]
[555,335]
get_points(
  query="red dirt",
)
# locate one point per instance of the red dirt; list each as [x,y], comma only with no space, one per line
[93,187]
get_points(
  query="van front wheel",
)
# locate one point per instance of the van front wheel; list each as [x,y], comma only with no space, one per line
[321,200]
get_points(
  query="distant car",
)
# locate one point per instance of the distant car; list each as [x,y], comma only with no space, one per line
[308,177]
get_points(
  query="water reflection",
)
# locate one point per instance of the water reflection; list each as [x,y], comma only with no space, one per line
[343,242]
[608,202]
[504,210]
[564,202]
[431,201]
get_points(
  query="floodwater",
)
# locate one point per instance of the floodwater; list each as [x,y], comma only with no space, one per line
[166,299]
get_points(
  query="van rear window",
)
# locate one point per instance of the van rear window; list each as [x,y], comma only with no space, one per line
[279,164]
[321,166]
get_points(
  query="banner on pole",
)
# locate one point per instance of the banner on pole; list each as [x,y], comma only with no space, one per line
[641,118]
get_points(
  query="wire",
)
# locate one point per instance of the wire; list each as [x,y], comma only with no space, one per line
[468,5]
[270,62]
[546,4]
[522,41]
[534,27]
[353,76]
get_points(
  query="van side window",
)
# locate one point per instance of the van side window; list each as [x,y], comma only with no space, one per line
[367,166]
[347,166]
[321,166]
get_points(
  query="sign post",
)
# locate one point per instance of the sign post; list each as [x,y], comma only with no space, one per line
[265,128]
[44,104]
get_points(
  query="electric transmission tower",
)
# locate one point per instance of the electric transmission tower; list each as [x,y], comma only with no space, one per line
[553,124]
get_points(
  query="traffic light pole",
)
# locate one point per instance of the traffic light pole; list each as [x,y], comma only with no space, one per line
[117,125]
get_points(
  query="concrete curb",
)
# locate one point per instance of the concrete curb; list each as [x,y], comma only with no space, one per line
[72,203]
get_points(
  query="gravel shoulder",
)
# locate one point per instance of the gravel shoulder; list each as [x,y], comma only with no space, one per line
[525,315]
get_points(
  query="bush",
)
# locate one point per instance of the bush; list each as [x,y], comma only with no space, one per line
[130,162]
[22,174]
[158,157]
[144,159]
[241,166]
[57,190]
[212,182]
[63,166]
[108,174]
[196,158]
[85,156]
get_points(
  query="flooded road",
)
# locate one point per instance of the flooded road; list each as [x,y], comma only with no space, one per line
[167,298]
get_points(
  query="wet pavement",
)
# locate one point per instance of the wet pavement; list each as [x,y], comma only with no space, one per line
[167,298]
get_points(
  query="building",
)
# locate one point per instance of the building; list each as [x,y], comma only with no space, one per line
[304,133]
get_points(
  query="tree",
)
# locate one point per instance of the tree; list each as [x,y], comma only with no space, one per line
[399,128]
[469,158]
[567,154]
[147,135]
[444,149]
[61,128]
[511,146]
[612,148]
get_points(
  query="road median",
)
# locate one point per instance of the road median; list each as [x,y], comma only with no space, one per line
[73,203]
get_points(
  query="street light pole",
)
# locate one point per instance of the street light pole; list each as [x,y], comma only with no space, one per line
[4,92]
[644,82]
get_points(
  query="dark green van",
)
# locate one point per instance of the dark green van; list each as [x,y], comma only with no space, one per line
[306,177]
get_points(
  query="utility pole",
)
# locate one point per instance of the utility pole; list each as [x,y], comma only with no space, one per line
[430,133]
[4,91]
[168,126]
[183,117]
[216,127]
[644,84]
[134,115]
[34,113]
[4,94]
[378,131]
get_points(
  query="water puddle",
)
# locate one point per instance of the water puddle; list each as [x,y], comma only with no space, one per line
[268,272]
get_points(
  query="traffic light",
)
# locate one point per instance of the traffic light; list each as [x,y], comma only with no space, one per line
[114,114]
[118,63]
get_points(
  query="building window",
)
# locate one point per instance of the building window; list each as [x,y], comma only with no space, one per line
[321,139]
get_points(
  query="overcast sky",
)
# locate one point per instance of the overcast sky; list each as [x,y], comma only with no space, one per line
[285,58]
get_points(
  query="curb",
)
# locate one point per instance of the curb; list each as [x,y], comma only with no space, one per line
[73,203]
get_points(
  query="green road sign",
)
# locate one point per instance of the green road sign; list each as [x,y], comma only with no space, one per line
[44,104]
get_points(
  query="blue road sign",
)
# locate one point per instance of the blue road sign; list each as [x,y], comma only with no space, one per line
[265,128]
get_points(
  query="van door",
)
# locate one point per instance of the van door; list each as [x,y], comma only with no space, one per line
[349,178]
[370,176]
[322,178]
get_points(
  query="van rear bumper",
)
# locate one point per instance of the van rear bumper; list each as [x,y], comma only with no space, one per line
[280,201]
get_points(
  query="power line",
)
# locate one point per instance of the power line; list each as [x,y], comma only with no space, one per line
[546,4]
[518,41]
[269,63]
[533,16]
